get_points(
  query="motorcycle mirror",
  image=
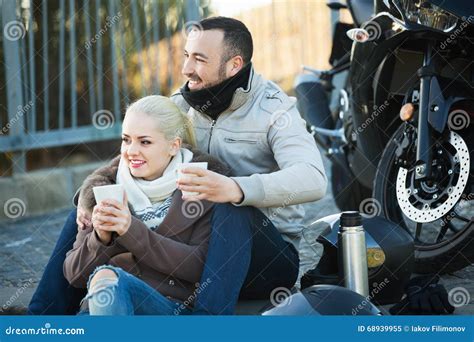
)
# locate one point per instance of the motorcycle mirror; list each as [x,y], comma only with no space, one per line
[358,35]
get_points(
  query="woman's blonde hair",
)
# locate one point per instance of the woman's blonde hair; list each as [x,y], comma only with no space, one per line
[171,120]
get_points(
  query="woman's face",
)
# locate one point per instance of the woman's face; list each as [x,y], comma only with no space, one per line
[145,149]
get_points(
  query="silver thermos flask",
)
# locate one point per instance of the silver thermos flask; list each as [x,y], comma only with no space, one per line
[352,253]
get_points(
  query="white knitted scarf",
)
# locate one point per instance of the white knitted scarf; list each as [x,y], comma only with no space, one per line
[150,200]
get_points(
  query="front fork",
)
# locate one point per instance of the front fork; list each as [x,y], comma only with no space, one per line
[424,141]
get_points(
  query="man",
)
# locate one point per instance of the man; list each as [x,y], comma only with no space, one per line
[251,125]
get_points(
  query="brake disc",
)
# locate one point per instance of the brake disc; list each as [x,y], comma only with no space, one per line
[453,192]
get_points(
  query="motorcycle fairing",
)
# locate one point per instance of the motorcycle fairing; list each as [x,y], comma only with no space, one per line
[364,79]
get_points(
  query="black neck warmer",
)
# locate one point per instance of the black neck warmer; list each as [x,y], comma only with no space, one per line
[214,100]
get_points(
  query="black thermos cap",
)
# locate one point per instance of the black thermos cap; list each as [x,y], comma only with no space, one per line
[350,219]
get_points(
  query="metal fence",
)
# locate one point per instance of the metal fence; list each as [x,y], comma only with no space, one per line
[70,67]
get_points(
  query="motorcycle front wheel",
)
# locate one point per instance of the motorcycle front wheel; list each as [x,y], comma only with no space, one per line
[439,219]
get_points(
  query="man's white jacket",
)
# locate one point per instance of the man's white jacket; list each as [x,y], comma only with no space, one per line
[273,158]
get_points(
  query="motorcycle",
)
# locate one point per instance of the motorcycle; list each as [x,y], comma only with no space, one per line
[395,116]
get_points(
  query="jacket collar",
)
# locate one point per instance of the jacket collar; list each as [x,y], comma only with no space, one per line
[241,95]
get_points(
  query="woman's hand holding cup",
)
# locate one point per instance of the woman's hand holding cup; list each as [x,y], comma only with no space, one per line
[111,214]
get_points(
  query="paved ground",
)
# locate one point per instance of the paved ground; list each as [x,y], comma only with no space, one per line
[25,246]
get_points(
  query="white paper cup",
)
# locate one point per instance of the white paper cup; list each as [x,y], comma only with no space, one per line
[202,165]
[108,192]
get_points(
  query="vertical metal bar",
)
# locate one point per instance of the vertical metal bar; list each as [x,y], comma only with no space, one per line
[72,56]
[192,10]
[100,98]
[31,47]
[138,43]
[62,51]
[115,81]
[147,33]
[186,12]
[11,54]
[170,49]
[156,41]
[24,71]
[44,13]
[123,54]
[88,47]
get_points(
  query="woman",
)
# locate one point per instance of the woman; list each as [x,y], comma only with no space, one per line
[147,260]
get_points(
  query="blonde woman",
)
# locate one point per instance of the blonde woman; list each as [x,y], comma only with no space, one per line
[144,255]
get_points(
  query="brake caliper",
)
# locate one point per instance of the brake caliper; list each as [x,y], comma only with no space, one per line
[406,150]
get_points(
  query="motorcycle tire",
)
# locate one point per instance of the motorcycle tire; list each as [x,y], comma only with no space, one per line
[447,258]
[347,191]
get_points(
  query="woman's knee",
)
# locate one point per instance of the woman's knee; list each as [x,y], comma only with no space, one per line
[102,277]
[102,287]
[104,273]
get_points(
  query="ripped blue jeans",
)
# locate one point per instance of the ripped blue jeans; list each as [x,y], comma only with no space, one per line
[125,294]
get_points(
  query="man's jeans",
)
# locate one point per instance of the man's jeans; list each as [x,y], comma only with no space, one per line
[128,295]
[54,295]
[246,255]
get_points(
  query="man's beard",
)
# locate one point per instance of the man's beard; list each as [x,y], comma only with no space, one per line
[222,74]
[213,100]
[221,78]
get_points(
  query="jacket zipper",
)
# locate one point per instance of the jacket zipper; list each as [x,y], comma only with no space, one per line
[210,136]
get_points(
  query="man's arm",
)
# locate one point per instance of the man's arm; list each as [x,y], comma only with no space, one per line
[301,177]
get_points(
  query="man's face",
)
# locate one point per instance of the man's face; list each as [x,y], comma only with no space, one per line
[203,65]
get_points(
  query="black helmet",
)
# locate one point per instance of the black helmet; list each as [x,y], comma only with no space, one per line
[324,300]
[390,258]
